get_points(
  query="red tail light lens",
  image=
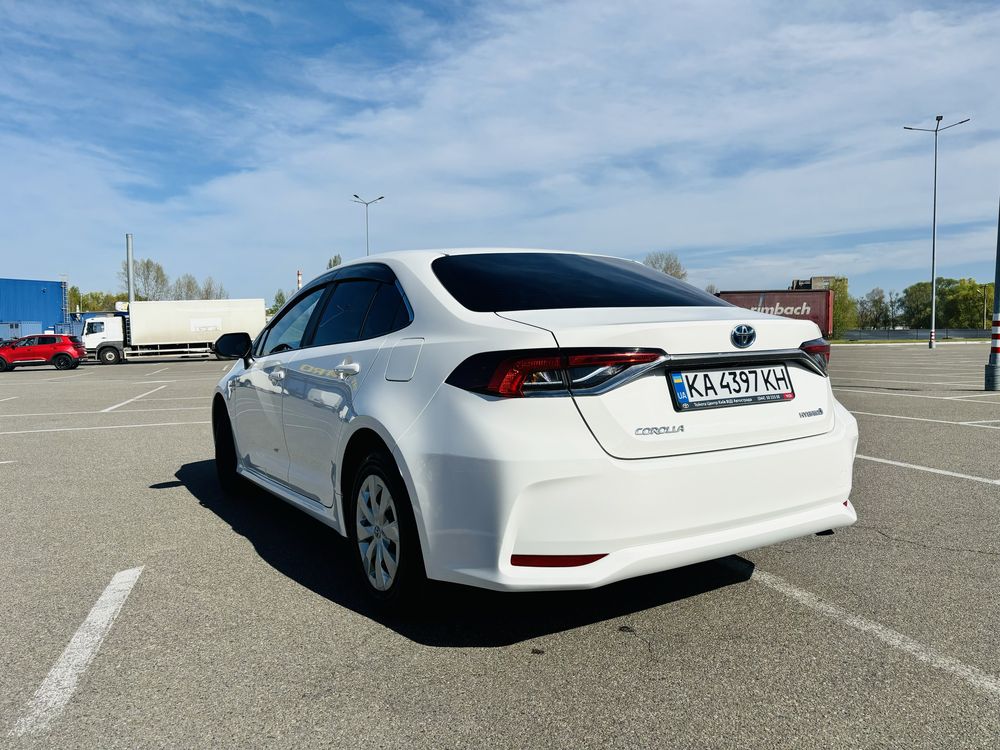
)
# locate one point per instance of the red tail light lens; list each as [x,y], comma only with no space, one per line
[546,371]
[553,561]
[819,350]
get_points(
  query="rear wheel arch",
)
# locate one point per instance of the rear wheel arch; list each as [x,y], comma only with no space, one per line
[61,361]
[361,444]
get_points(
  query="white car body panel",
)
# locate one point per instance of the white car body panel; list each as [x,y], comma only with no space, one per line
[492,477]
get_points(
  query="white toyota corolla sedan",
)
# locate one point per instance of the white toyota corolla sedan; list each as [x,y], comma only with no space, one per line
[533,420]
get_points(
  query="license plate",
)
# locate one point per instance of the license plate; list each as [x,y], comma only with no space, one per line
[713,389]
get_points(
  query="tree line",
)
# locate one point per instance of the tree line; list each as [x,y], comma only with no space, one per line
[151,282]
[961,303]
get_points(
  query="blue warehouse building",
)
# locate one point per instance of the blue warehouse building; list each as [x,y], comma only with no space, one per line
[30,306]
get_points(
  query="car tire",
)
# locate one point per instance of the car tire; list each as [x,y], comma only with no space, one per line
[225,454]
[391,570]
[62,362]
[76,363]
[109,356]
[4,366]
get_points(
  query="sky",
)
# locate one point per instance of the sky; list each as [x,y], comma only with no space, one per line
[759,141]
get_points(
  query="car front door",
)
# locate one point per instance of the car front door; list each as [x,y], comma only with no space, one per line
[259,389]
[325,378]
[26,350]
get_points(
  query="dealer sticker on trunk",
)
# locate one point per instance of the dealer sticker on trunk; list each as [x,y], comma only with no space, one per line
[712,389]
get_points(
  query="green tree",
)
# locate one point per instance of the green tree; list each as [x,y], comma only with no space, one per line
[100,301]
[668,263]
[873,310]
[895,306]
[916,305]
[279,301]
[74,299]
[333,262]
[210,289]
[150,280]
[845,307]
[186,286]
[960,303]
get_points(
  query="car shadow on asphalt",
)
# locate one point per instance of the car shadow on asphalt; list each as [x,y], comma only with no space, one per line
[319,559]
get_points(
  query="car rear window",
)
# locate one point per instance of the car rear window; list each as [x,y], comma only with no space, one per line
[76,339]
[497,282]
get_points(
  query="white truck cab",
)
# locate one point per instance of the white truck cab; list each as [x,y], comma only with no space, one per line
[104,338]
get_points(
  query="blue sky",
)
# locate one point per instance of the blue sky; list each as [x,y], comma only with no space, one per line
[760,141]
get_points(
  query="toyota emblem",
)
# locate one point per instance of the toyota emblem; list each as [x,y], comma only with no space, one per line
[743,336]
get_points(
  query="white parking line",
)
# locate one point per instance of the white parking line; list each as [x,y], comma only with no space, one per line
[104,411]
[58,686]
[917,467]
[154,372]
[135,398]
[900,395]
[925,419]
[206,397]
[973,675]
[102,427]
[9,398]
[8,462]
[971,398]
[919,382]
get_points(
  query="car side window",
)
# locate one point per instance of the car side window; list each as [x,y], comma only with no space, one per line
[388,313]
[33,341]
[44,340]
[345,312]
[95,327]
[287,332]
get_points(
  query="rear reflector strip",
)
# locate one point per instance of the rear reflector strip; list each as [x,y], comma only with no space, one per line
[553,561]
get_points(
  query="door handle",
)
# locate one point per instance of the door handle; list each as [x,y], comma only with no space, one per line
[348,368]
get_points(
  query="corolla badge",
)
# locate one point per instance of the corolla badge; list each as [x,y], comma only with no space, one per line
[664,430]
[743,336]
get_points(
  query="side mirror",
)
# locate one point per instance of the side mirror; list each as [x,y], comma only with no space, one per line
[234,346]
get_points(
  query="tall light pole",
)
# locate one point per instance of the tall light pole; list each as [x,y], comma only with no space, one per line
[935,130]
[366,204]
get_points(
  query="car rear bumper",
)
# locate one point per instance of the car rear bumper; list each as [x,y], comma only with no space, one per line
[543,492]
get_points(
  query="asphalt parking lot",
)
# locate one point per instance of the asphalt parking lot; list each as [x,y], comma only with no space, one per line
[240,625]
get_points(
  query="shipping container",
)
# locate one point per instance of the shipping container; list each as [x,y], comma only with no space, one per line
[815,304]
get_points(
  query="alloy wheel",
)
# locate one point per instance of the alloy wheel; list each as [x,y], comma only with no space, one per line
[377,525]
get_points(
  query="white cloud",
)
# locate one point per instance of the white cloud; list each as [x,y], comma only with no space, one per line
[618,127]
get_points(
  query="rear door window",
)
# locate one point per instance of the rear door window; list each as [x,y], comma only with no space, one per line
[498,282]
[388,313]
[345,312]
[46,340]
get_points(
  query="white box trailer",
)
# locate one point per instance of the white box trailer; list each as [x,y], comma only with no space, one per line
[178,328]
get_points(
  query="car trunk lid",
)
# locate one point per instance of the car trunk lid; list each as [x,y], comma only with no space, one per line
[644,418]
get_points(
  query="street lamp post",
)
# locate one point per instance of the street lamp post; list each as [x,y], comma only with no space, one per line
[935,130]
[366,204]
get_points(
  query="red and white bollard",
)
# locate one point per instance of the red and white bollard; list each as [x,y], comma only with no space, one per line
[993,368]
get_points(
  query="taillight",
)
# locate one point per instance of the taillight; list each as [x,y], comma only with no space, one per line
[819,350]
[538,372]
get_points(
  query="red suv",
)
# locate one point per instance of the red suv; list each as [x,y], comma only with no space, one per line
[62,352]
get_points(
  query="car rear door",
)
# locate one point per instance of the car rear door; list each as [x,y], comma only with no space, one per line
[324,379]
[48,347]
[258,390]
